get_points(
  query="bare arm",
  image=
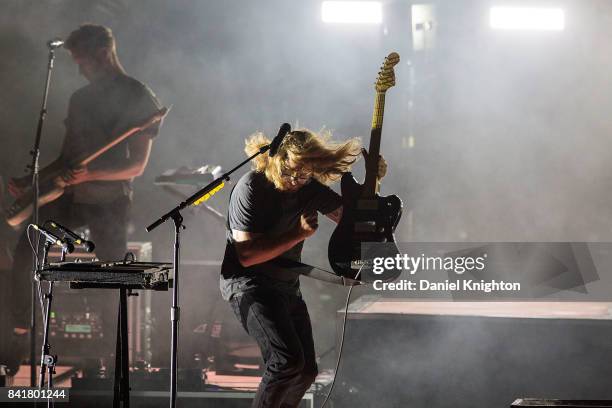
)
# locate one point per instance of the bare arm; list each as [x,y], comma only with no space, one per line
[253,248]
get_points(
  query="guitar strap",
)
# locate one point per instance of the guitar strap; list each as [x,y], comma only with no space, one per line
[315,272]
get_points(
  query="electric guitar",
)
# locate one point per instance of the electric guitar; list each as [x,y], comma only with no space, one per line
[368,220]
[51,182]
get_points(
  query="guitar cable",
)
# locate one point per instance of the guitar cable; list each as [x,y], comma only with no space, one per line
[344,320]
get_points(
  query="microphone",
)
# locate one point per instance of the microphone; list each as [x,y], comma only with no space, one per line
[282,132]
[88,245]
[55,43]
[65,244]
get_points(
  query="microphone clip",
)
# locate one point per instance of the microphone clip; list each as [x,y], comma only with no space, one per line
[55,43]
[52,239]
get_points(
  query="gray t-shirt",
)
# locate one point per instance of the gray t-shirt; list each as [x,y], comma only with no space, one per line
[97,114]
[257,206]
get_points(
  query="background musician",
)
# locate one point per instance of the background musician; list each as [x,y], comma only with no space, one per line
[97,195]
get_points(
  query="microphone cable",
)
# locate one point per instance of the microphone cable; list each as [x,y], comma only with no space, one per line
[344,320]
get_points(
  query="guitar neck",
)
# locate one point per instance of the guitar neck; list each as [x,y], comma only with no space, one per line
[83,161]
[370,185]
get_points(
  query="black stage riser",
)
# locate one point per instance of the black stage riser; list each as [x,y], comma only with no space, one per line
[438,361]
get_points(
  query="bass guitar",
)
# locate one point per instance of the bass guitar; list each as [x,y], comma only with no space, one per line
[51,182]
[368,221]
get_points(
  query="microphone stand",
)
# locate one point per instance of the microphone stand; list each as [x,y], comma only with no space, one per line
[34,168]
[176,216]
[48,361]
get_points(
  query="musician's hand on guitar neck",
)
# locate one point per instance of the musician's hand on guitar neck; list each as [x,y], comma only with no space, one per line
[76,175]
[382,163]
[17,186]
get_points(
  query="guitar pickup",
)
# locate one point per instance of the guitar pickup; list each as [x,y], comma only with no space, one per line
[365,226]
[367,204]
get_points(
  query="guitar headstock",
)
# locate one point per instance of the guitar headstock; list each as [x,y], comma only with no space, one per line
[386,75]
[161,114]
[156,117]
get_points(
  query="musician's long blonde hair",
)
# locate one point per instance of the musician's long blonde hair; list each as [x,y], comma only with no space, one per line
[305,149]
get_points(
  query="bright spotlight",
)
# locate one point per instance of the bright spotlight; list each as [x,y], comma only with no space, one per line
[365,12]
[526,18]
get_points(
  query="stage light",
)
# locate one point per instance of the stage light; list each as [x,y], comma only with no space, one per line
[424,24]
[364,12]
[526,18]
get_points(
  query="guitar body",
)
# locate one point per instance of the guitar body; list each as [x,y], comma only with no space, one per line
[50,189]
[367,225]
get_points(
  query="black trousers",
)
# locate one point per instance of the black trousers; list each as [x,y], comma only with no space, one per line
[108,227]
[280,324]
